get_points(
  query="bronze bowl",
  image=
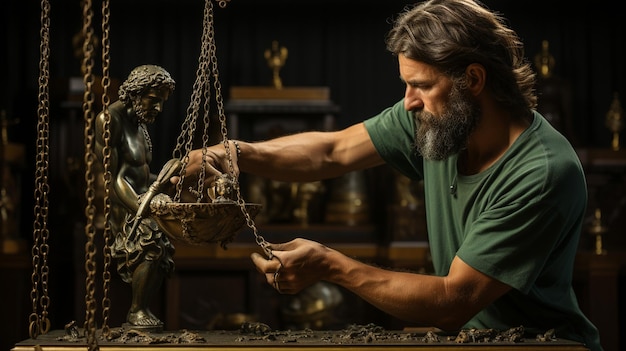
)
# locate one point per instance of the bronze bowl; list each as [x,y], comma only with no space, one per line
[201,223]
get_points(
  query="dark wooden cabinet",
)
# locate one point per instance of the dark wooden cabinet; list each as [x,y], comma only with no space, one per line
[15,274]
[600,279]
[599,283]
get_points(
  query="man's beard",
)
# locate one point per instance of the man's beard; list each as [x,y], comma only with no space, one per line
[439,137]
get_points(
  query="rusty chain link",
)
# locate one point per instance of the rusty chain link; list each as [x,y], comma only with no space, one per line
[90,157]
[223,3]
[106,160]
[185,139]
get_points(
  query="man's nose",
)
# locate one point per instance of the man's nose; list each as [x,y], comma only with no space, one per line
[412,102]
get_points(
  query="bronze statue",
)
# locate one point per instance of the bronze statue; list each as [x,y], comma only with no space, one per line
[143,252]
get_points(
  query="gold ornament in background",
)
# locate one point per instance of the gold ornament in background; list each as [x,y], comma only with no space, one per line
[276,57]
[305,194]
[597,229]
[544,61]
[615,121]
[349,200]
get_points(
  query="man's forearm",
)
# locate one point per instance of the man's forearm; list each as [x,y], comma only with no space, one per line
[310,156]
[298,157]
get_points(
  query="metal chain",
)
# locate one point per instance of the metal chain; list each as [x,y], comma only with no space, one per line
[185,139]
[223,3]
[39,323]
[90,157]
[201,86]
[106,159]
[260,240]
[207,62]
[207,25]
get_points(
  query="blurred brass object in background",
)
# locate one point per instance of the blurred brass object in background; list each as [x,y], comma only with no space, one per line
[615,121]
[544,61]
[12,160]
[316,307]
[598,229]
[349,200]
[406,212]
[306,193]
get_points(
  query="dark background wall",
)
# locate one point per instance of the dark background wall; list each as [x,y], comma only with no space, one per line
[339,44]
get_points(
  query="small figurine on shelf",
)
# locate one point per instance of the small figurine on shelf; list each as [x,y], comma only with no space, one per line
[276,57]
[544,60]
[597,229]
[615,121]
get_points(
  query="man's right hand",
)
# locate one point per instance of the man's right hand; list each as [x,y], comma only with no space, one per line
[216,162]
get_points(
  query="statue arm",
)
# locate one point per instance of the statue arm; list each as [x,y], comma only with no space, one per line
[121,189]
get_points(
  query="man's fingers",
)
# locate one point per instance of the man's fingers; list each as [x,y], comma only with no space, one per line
[263,265]
[290,245]
[258,261]
[211,169]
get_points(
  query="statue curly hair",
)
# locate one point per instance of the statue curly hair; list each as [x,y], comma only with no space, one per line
[142,78]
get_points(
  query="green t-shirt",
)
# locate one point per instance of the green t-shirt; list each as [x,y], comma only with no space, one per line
[518,221]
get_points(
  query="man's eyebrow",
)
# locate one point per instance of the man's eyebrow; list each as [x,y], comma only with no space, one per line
[412,81]
[406,81]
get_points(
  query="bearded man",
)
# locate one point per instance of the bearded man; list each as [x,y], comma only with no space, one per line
[505,193]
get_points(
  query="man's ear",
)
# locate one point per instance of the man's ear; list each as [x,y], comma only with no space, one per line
[476,78]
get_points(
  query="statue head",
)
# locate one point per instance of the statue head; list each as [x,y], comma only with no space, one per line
[143,78]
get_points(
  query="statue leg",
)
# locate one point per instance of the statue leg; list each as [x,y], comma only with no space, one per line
[147,279]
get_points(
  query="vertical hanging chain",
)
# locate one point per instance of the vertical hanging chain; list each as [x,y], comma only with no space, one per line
[260,240]
[106,159]
[90,157]
[185,139]
[207,49]
[207,63]
[39,322]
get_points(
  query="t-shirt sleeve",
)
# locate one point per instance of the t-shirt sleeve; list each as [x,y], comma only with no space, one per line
[393,133]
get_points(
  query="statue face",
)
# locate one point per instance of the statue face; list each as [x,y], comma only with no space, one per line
[150,104]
